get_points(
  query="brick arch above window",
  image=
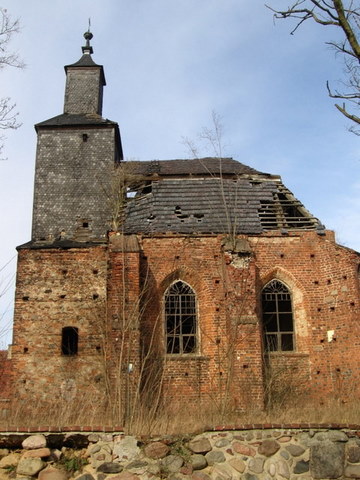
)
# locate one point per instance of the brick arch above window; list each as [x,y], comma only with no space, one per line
[184,274]
[284,276]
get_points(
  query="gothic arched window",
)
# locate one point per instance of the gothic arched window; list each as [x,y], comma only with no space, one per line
[277,317]
[180,319]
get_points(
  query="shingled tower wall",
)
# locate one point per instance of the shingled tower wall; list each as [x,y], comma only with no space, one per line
[75,157]
[84,84]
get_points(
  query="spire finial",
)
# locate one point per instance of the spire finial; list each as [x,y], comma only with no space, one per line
[88,36]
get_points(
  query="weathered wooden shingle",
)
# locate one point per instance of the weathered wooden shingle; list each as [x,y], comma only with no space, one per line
[202,196]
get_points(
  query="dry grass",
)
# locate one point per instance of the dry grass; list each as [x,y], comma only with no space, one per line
[176,419]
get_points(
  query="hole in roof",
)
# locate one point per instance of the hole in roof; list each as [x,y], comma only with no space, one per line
[179,214]
[147,189]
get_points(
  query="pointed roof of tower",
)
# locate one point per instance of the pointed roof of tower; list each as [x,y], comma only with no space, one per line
[86,61]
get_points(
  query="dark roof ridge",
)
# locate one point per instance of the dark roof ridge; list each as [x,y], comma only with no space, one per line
[85,61]
[68,119]
[194,166]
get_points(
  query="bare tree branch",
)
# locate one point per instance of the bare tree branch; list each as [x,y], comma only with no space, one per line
[345,16]
[8,27]
[348,115]
[8,115]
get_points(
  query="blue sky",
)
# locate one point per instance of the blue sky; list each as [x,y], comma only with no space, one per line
[168,65]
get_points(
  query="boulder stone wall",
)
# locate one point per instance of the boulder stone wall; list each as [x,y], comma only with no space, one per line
[219,454]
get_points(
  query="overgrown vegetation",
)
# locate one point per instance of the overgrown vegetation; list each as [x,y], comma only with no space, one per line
[178,421]
[72,462]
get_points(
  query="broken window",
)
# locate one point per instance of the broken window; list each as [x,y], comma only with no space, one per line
[277,317]
[180,319]
[69,341]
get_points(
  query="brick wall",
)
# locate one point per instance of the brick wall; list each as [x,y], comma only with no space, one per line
[217,371]
[57,289]
[114,295]
[323,279]
[5,375]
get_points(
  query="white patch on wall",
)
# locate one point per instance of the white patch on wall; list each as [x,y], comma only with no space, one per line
[330,335]
[68,389]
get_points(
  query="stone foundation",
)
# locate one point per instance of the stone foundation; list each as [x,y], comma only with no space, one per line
[245,454]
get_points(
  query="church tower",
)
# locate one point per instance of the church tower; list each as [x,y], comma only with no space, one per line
[76,152]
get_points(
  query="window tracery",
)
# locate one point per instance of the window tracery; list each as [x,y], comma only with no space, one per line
[180,319]
[277,317]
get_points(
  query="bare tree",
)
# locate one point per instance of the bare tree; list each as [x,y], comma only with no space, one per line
[345,16]
[8,27]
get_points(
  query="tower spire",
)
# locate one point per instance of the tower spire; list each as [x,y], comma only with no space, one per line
[88,36]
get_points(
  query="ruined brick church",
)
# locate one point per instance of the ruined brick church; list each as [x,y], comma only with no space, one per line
[171,281]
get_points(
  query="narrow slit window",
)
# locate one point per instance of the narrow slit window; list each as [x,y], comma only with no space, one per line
[180,319]
[277,317]
[69,341]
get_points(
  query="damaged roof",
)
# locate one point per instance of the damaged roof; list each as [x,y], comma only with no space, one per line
[209,195]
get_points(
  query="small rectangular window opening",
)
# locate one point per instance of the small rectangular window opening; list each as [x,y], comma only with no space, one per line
[69,341]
